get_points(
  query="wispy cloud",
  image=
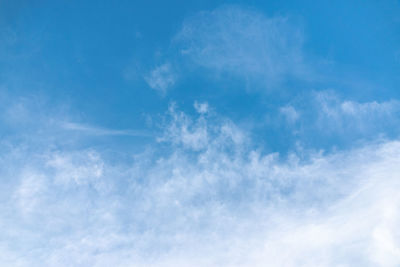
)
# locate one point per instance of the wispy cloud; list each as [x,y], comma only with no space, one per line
[290,114]
[201,108]
[325,114]
[161,78]
[336,113]
[93,130]
[211,199]
[245,43]
[204,191]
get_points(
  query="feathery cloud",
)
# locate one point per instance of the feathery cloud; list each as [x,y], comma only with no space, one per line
[161,78]
[245,43]
[211,198]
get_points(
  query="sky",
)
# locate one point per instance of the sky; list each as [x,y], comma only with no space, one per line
[199,133]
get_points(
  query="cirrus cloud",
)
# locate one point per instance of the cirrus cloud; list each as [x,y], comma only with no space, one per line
[245,43]
[210,198]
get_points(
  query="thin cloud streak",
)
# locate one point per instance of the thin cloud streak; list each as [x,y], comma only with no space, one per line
[93,130]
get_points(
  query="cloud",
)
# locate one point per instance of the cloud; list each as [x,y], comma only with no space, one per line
[161,78]
[245,43]
[342,115]
[198,134]
[204,192]
[290,114]
[329,119]
[205,195]
[201,108]
[35,121]
[93,130]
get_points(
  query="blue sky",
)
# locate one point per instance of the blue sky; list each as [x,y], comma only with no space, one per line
[187,133]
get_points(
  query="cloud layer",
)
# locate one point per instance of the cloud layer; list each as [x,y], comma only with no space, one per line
[204,195]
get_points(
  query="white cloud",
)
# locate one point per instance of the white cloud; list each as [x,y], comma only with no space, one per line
[326,116]
[211,199]
[366,109]
[28,194]
[344,115]
[78,168]
[246,43]
[94,130]
[290,113]
[201,108]
[199,134]
[161,78]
